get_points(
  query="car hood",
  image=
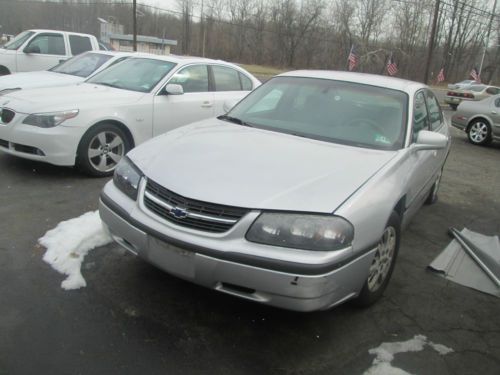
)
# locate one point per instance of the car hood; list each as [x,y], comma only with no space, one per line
[79,96]
[42,78]
[229,164]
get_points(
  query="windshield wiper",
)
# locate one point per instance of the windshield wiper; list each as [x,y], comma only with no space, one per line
[234,120]
[106,84]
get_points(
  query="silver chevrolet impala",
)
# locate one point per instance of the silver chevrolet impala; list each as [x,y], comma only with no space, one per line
[295,198]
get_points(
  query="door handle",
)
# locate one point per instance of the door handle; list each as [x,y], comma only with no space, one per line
[207,104]
[493,112]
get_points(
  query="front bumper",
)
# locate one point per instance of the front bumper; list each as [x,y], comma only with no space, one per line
[289,285]
[55,145]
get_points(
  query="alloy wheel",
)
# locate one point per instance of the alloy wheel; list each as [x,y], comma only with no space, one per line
[383,259]
[105,151]
[478,132]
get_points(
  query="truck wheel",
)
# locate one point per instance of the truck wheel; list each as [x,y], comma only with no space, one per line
[101,148]
[4,71]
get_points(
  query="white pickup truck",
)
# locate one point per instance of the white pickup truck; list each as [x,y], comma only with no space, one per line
[42,49]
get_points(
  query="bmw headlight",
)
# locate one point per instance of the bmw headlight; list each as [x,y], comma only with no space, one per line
[302,231]
[127,177]
[49,119]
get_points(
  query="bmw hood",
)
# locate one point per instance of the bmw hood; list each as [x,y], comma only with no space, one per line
[229,164]
[79,96]
[30,80]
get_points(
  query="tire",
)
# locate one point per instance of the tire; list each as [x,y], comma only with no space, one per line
[433,193]
[479,132]
[382,265]
[101,148]
[454,106]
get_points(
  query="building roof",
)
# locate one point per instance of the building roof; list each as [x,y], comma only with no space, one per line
[143,39]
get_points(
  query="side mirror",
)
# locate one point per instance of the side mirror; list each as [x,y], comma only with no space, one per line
[229,104]
[32,49]
[427,140]
[173,89]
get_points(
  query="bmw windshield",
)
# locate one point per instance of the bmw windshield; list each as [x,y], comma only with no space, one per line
[135,74]
[334,111]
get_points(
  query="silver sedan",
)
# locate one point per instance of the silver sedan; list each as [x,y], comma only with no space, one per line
[296,198]
[480,120]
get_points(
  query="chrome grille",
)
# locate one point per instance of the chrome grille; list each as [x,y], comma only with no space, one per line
[6,115]
[190,213]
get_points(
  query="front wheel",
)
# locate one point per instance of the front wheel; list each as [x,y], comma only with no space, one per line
[382,265]
[101,148]
[479,132]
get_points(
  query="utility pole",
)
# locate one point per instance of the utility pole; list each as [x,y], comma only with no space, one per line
[430,48]
[135,24]
[490,23]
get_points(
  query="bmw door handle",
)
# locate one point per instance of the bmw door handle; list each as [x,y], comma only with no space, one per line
[207,104]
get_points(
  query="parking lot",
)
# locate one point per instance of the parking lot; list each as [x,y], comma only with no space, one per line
[132,318]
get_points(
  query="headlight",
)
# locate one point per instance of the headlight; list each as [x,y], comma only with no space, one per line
[50,119]
[127,177]
[302,231]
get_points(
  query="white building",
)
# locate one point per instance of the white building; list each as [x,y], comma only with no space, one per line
[149,44]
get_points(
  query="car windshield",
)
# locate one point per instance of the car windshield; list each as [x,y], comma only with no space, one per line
[18,40]
[82,65]
[477,88]
[136,74]
[334,111]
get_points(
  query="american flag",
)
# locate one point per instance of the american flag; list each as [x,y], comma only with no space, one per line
[392,68]
[440,76]
[475,74]
[353,59]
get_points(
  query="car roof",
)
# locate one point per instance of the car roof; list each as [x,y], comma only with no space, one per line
[363,78]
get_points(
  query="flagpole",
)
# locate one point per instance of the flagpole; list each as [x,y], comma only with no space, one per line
[348,56]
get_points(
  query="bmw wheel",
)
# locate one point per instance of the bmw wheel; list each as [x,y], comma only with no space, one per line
[382,265]
[479,132]
[101,148]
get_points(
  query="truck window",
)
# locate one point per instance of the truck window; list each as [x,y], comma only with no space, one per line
[79,44]
[47,44]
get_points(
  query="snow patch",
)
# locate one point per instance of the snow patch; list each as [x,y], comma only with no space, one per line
[386,351]
[69,242]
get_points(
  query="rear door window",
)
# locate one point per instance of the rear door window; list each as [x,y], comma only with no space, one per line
[79,44]
[226,79]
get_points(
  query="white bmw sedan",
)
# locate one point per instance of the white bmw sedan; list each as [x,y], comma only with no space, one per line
[93,124]
[295,198]
[69,72]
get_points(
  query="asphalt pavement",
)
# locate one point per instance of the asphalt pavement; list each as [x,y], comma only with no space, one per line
[132,318]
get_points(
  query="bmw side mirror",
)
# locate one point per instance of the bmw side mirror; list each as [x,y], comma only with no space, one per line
[173,89]
[427,140]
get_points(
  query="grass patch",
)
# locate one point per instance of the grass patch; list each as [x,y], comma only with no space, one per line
[260,70]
